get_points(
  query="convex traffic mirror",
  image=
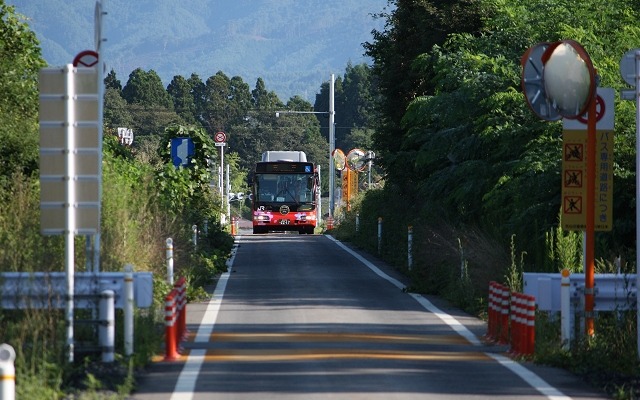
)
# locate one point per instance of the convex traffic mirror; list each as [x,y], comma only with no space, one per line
[569,78]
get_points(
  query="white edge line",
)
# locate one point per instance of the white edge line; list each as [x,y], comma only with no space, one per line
[186,383]
[531,378]
[528,376]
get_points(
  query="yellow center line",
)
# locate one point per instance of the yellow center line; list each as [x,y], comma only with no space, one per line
[335,337]
[257,355]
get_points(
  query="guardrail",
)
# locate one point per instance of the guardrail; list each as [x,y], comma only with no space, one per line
[24,290]
[612,291]
[565,295]
[104,291]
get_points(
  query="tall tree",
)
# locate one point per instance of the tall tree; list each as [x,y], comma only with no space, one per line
[112,82]
[264,100]
[412,28]
[149,103]
[145,88]
[181,94]
[20,61]
[217,95]
[116,110]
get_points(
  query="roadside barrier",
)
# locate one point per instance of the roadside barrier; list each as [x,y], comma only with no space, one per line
[329,223]
[511,319]
[523,317]
[175,317]
[234,226]
[498,325]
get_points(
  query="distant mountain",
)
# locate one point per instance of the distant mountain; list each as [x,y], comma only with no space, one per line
[294,45]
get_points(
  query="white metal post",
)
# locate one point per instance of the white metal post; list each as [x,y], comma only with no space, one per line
[70,201]
[7,372]
[227,195]
[107,325]
[319,198]
[100,67]
[128,310]
[194,228]
[332,145]
[565,309]
[169,261]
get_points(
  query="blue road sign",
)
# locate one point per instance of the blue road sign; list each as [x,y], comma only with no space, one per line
[182,149]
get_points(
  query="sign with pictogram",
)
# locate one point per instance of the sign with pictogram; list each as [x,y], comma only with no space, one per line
[573,178]
[572,205]
[220,137]
[574,167]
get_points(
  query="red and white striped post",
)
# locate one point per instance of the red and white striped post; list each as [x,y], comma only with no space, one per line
[523,316]
[493,330]
[530,346]
[498,329]
[514,317]
[171,338]
[181,303]
[505,299]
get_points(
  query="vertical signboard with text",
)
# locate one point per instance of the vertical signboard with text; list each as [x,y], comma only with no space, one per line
[574,167]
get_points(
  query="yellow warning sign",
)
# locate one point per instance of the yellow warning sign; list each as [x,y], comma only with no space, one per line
[574,167]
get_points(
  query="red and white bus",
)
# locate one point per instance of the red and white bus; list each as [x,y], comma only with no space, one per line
[284,192]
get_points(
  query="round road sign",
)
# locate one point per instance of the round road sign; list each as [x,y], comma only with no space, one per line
[628,66]
[220,137]
[87,58]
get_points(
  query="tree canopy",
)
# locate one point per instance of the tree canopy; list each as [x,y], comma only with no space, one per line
[455,130]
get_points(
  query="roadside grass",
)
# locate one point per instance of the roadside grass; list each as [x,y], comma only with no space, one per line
[134,229]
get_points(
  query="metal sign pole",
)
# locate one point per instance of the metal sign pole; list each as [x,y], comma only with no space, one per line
[69,204]
[590,232]
[222,214]
[332,145]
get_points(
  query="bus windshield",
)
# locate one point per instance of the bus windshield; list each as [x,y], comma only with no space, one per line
[281,188]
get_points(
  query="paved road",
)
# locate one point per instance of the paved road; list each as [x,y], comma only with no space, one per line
[304,317]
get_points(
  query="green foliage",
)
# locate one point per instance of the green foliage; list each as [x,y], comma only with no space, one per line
[20,61]
[514,276]
[493,164]
[183,190]
[564,249]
